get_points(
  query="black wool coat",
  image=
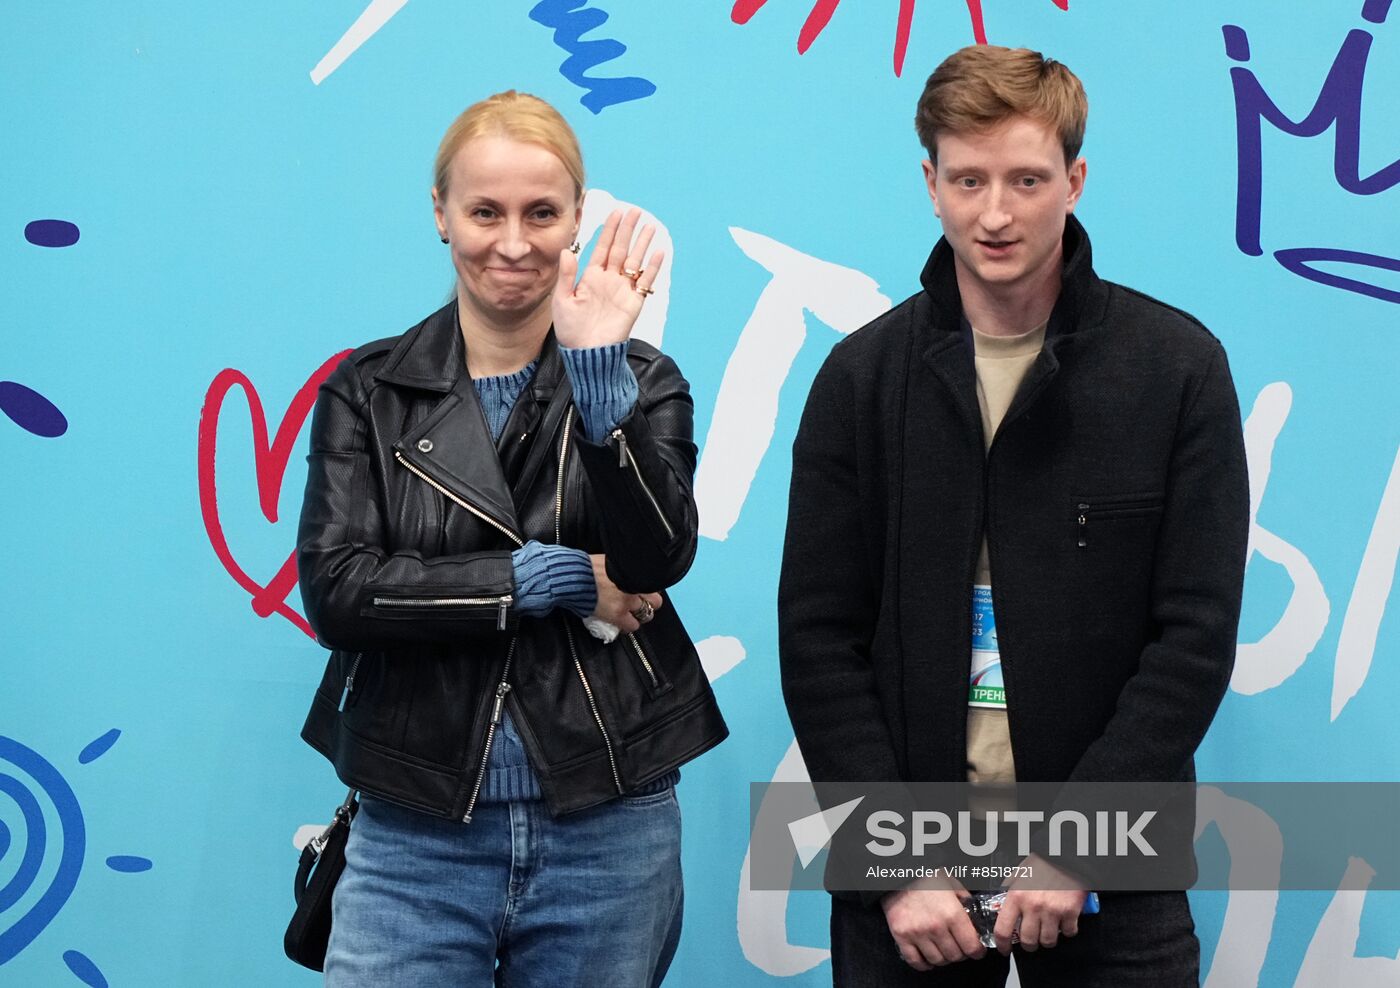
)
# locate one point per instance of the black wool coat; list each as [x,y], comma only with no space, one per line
[1115,504]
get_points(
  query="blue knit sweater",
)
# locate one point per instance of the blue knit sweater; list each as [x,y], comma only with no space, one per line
[555,576]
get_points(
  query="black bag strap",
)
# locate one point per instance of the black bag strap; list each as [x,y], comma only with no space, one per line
[337,830]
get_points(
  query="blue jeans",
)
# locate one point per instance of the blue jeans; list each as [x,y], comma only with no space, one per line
[515,898]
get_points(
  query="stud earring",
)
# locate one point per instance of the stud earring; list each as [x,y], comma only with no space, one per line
[444,240]
[574,247]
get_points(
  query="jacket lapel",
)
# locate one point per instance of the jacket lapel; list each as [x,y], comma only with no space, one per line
[547,403]
[942,441]
[452,447]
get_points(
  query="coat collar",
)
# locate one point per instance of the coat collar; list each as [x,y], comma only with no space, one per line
[432,357]
[944,339]
[1082,294]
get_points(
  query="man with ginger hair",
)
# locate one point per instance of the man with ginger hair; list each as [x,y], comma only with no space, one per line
[1026,447]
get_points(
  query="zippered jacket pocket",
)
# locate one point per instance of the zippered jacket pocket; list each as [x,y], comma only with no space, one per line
[640,656]
[1090,510]
[417,606]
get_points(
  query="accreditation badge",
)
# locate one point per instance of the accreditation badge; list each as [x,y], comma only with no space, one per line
[985,687]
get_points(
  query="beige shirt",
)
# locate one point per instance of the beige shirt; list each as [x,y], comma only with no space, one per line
[1002,362]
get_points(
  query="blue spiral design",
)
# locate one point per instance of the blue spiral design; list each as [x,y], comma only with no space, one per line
[17,934]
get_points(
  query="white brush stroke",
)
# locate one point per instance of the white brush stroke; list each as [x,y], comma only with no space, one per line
[1331,958]
[719,654]
[746,407]
[305,833]
[1362,623]
[1254,842]
[762,914]
[1264,664]
[375,16]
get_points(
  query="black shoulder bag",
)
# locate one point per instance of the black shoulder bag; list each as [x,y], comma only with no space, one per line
[322,861]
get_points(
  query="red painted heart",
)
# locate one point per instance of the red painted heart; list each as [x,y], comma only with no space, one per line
[270,463]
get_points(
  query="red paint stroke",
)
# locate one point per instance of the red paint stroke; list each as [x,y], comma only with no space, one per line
[270,463]
[979,29]
[744,9]
[822,11]
[815,23]
[901,33]
[979,32]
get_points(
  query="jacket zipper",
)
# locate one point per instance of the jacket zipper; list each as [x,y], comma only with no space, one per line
[646,663]
[501,603]
[593,705]
[568,632]
[458,501]
[624,459]
[559,481]
[1110,509]
[497,707]
[349,682]
[504,602]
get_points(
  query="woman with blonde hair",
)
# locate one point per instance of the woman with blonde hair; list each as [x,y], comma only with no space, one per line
[497,501]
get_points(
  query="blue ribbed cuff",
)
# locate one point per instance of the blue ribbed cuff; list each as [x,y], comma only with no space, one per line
[550,576]
[605,389]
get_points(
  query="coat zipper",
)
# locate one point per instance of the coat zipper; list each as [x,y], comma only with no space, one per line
[624,459]
[497,708]
[501,603]
[568,632]
[458,501]
[350,682]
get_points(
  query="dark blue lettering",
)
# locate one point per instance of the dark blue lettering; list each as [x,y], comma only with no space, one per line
[1338,104]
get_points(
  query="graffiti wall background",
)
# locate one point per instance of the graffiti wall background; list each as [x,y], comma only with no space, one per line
[202,206]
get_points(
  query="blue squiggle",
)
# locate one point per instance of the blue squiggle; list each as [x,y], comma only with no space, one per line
[571,20]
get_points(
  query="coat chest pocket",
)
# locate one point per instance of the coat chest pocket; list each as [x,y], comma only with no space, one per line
[1109,517]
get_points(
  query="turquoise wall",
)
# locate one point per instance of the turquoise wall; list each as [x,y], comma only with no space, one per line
[248,189]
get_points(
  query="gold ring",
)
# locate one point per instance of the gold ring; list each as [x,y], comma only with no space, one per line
[631,273]
[644,292]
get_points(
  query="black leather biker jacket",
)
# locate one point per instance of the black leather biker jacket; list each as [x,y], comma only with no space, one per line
[404,561]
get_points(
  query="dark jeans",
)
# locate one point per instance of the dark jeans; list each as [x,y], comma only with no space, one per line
[1138,940]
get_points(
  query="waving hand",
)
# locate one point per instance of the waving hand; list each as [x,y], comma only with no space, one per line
[601,306]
